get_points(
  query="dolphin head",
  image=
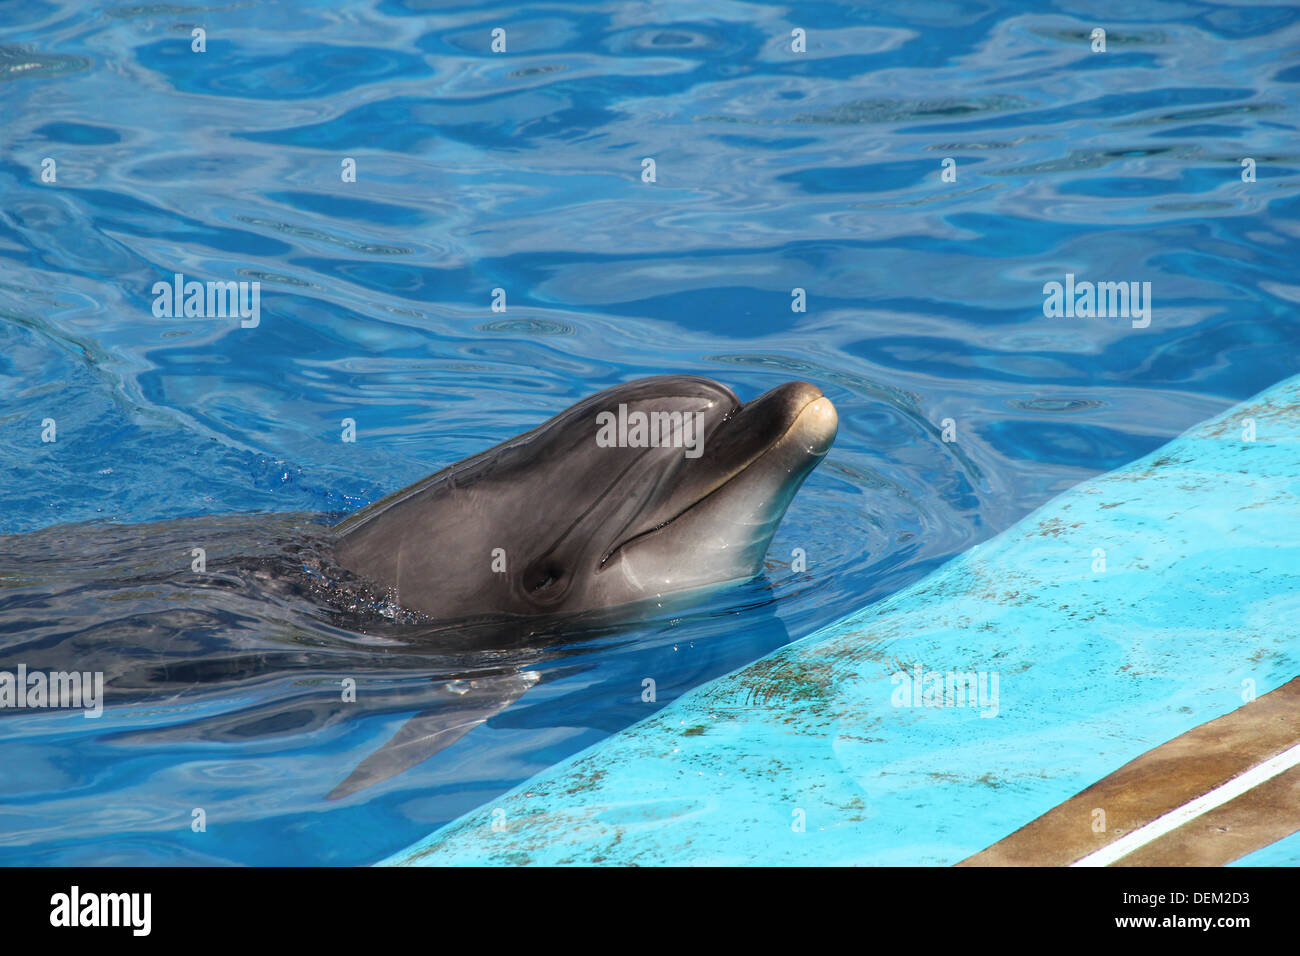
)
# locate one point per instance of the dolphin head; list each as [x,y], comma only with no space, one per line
[659,487]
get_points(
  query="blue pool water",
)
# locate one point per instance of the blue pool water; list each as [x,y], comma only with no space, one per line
[775,170]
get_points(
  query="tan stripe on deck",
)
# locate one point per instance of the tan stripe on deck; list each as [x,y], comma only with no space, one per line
[1163,779]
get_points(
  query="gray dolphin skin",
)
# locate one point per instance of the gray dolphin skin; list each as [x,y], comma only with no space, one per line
[656,490]
[557,521]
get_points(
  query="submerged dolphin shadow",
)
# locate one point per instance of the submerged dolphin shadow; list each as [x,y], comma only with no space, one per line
[491,692]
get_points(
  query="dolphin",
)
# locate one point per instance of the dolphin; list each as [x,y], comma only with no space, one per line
[636,500]
[652,492]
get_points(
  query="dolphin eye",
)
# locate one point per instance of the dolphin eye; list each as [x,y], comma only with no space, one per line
[542,575]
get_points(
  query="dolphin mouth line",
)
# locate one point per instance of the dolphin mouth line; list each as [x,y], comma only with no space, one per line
[731,476]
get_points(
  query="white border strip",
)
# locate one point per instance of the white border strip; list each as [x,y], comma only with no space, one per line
[1191,810]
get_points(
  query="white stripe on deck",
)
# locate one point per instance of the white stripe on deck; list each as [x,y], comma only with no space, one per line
[1192,809]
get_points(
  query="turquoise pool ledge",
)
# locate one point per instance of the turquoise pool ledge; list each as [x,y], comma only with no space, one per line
[820,754]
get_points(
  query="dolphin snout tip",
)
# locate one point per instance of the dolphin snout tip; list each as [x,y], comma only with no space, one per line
[818,424]
[812,418]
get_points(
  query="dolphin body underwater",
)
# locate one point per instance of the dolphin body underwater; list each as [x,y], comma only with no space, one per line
[649,494]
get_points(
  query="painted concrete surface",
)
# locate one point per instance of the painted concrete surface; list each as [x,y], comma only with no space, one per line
[1120,615]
